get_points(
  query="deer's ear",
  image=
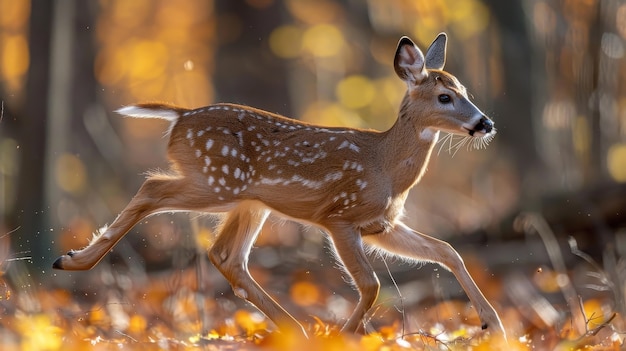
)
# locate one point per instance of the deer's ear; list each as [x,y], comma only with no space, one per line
[436,53]
[409,62]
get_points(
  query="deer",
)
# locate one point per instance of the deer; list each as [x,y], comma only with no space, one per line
[245,163]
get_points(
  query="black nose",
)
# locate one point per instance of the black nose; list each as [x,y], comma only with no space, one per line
[484,125]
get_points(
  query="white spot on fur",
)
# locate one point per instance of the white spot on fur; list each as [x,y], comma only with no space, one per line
[333,176]
[309,183]
[352,165]
[271,181]
[240,138]
[209,144]
[429,134]
[349,145]
[361,184]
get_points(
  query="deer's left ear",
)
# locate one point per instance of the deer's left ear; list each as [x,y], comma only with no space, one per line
[436,53]
[409,62]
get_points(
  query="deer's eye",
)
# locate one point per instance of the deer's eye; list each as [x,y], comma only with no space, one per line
[445,98]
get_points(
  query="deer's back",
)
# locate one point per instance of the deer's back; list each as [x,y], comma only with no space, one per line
[239,153]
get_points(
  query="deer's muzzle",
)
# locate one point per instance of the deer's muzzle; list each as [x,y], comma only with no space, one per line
[485,125]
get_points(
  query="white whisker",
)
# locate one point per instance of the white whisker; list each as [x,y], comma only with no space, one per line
[460,144]
[446,138]
[452,144]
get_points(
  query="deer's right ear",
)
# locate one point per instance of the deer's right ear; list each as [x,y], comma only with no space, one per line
[409,62]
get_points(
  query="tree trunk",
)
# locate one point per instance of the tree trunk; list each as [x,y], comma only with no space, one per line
[237,74]
[30,213]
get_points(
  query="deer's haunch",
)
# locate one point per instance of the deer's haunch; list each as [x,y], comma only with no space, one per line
[351,183]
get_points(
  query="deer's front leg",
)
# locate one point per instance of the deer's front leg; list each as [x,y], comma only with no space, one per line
[405,242]
[349,248]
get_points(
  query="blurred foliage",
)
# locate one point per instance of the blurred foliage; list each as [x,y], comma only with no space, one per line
[334,60]
[170,48]
[169,312]
[14,58]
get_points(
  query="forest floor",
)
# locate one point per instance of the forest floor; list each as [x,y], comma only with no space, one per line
[189,306]
[166,312]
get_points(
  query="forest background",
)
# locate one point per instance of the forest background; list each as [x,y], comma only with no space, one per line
[550,73]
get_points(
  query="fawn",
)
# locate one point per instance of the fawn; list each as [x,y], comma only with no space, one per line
[351,183]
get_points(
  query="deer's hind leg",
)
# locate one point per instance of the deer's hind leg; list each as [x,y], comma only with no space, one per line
[230,252]
[157,194]
[348,245]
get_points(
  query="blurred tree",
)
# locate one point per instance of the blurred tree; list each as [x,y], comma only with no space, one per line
[71,112]
[30,213]
[516,99]
[60,88]
[244,28]
[574,90]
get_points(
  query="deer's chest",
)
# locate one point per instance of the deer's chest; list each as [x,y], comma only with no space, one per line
[377,215]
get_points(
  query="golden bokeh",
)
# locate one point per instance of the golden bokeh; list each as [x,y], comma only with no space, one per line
[314,11]
[304,293]
[331,114]
[70,174]
[286,41]
[14,53]
[355,91]
[146,59]
[167,56]
[14,14]
[14,59]
[616,162]
[323,40]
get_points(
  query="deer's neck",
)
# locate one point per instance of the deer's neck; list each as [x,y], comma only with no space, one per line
[408,151]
